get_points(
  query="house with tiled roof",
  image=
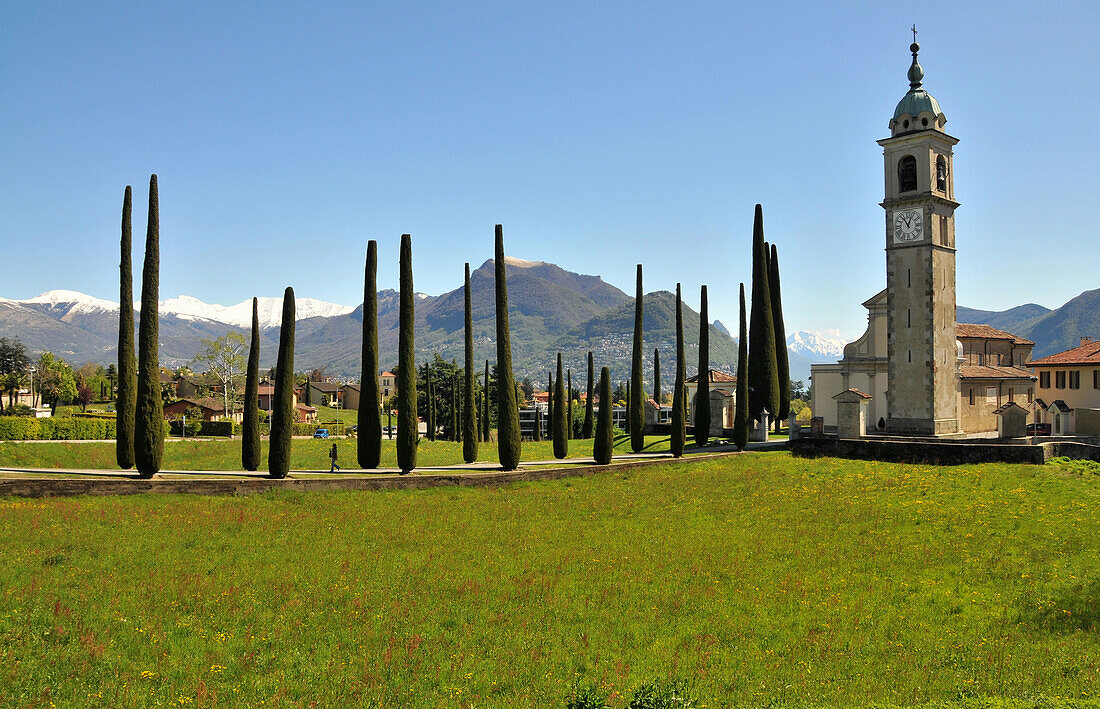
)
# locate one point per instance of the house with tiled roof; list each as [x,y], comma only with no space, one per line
[1068,390]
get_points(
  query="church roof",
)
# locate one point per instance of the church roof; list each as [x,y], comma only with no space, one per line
[917,100]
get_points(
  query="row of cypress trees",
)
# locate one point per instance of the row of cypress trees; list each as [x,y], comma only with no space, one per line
[140,427]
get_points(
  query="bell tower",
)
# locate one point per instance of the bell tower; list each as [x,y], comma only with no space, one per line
[922,374]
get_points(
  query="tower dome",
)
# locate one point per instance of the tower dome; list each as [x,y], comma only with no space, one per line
[918,110]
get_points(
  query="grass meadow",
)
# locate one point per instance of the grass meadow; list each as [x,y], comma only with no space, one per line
[306,453]
[758,580]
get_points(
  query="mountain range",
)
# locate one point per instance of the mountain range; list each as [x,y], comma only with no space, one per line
[550,310]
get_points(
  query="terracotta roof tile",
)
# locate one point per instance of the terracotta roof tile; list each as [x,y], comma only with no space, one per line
[1088,353]
[982,371]
[717,377]
[986,332]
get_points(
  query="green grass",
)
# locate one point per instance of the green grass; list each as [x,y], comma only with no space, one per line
[306,454]
[758,580]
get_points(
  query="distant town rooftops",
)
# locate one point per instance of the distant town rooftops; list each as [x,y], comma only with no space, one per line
[717,377]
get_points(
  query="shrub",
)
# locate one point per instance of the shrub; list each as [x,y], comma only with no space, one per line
[586,697]
[658,695]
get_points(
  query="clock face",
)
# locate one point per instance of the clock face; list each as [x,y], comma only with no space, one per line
[908,226]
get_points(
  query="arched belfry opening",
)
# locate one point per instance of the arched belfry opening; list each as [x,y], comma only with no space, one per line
[907,174]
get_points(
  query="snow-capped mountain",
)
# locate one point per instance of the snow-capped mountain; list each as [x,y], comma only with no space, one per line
[269,310]
[818,345]
[65,304]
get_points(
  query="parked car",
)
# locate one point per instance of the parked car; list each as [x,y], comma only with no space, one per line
[321,433]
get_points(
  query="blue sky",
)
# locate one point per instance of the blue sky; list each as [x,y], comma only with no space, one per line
[286,135]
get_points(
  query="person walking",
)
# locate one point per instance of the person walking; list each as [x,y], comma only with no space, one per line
[332,457]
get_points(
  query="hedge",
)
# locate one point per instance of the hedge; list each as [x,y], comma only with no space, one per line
[17,428]
[209,428]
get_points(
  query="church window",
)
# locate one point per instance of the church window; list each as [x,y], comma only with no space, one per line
[941,174]
[971,397]
[1075,379]
[1011,394]
[1059,380]
[910,355]
[924,122]
[908,317]
[1044,380]
[905,124]
[907,174]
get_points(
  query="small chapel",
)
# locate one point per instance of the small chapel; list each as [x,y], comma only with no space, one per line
[916,370]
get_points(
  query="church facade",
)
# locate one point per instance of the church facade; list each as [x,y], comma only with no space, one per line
[919,368]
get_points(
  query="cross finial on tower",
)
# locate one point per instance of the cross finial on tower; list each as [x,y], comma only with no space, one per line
[914,28]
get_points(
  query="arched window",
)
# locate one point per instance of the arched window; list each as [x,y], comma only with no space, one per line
[941,174]
[907,174]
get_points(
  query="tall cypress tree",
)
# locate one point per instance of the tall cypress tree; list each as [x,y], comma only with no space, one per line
[561,441]
[605,437]
[628,402]
[486,398]
[782,360]
[741,410]
[127,365]
[369,434]
[149,408]
[508,441]
[702,392]
[407,421]
[679,422]
[282,408]
[657,378]
[250,424]
[636,414]
[763,373]
[469,408]
[537,435]
[589,424]
[569,399]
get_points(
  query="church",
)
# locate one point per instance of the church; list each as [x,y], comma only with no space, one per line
[918,371]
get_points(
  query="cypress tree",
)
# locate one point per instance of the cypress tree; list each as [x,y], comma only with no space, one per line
[628,402]
[282,408]
[250,425]
[537,434]
[589,424]
[429,402]
[657,378]
[636,413]
[407,421]
[557,424]
[605,437]
[469,407]
[486,427]
[782,360]
[508,441]
[679,421]
[741,410]
[127,366]
[702,392]
[148,406]
[369,435]
[763,373]
[569,398]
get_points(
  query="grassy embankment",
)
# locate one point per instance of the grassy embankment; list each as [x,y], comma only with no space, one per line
[760,580]
[306,454]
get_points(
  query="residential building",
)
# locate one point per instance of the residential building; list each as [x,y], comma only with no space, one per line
[1067,396]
